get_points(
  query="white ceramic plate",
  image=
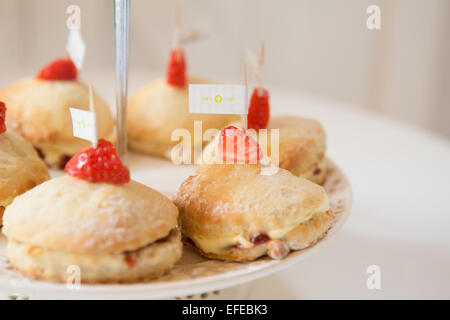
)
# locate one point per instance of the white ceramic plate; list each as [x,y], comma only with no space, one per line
[193,274]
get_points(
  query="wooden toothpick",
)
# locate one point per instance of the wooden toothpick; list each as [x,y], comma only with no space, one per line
[178,17]
[261,54]
[92,109]
[176,35]
[91,98]
[260,62]
[244,82]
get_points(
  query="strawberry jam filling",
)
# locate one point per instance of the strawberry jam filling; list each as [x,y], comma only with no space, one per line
[61,162]
[259,238]
[130,260]
[130,257]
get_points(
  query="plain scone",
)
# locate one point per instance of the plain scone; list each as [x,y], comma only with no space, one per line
[39,111]
[21,168]
[157,110]
[232,212]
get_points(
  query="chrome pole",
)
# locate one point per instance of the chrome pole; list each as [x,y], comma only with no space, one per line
[121,31]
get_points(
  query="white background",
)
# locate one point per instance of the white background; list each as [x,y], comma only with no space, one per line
[317,47]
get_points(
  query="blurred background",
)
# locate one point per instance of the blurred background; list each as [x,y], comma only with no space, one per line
[316,48]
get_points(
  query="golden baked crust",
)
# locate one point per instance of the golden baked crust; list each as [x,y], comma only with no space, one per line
[237,202]
[71,215]
[157,109]
[143,264]
[302,146]
[317,173]
[20,168]
[39,111]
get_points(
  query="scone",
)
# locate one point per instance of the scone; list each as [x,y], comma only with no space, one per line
[302,146]
[38,109]
[112,229]
[20,166]
[161,107]
[233,212]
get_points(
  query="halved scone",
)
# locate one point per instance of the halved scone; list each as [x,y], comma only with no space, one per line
[233,212]
[111,232]
[39,110]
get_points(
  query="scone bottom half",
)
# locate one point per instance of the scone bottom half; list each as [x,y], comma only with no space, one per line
[257,245]
[143,264]
[253,215]
[96,221]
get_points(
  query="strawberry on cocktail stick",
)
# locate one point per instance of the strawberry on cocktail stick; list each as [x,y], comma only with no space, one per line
[176,68]
[259,108]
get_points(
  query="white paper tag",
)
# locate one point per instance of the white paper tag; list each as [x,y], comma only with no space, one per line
[76,48]
[84,124]
[218,99]
[192,36]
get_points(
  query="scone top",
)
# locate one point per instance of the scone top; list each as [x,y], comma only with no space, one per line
[99,163]
[59,69]
[71,215]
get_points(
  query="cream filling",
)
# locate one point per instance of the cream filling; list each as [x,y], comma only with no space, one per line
[217,245]
[54,151]
[52,154]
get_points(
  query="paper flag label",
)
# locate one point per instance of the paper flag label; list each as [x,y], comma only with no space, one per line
[76,48]
[84,124]
[219,99]
[192,36]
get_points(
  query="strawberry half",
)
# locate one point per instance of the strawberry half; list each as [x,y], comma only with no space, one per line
[259,110]
[176,69]
[98,164]
[59,69]
[235,146]
[2,117]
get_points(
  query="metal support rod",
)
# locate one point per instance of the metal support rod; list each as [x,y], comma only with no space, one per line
[121,32]
[244,82]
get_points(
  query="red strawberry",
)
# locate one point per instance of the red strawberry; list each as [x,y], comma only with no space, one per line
[59,69]
[2,117]
[235,146]
[98,164]
[259,110]
[176,69]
